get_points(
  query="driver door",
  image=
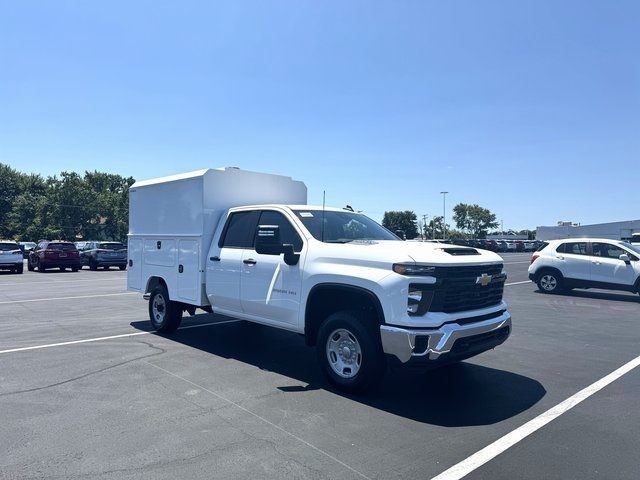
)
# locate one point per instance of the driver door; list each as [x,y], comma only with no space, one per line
[270,289]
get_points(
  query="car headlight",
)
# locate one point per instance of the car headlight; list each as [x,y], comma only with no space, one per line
[413,269]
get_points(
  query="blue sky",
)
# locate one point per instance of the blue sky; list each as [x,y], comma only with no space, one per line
[529,108]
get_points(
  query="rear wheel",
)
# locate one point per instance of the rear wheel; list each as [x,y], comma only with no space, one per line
[349,352]
[62,269]
[165,315]
[550,282]
[41,269]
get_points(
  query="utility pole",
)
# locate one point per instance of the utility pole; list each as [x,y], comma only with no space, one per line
[424,226]
[444,215]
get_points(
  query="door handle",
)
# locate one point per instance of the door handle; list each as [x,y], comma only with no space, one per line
[214,259]
[559,257]
[249,261]
[595,262]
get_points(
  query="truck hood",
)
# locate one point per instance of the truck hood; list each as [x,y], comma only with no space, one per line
[382,254]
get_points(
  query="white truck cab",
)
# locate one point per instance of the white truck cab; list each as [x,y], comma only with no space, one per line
[246,245]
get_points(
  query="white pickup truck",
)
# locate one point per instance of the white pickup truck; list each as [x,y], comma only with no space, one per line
[245,244]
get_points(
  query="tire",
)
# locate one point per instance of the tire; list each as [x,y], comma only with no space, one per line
[29,266]
[92,265]
[165,315]
[353,332]
[74,269]
[550,281]
[62,269]
[122,267]
[41,269]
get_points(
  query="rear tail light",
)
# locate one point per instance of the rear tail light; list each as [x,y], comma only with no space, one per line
[534,258]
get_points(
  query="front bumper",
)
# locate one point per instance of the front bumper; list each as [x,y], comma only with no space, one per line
[434,344]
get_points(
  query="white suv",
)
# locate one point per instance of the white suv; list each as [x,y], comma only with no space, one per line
[10,256]
[586,263]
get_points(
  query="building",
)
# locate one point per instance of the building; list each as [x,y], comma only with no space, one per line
[613,230]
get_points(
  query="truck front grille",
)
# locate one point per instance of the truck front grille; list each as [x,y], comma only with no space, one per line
[458,288]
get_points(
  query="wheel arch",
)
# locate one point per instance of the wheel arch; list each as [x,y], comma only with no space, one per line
[542,270]
[153,282]
[327,298]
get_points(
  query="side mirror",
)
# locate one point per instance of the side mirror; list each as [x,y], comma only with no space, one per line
[625,258]
[268,243]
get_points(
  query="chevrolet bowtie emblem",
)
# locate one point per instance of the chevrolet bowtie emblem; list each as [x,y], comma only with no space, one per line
[484,279]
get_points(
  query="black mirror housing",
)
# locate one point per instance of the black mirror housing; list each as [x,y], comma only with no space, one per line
[268,243]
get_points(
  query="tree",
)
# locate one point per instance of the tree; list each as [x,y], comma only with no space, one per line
[434,228]
[474,219]
[405,221]
[70,206]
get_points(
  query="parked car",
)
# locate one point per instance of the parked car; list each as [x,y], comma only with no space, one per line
[502,246]
[635,239]
[104,254]
[10,256]
[530,246]
[27,248]
[80,245]
[519,245]
[586,263]
[54,254]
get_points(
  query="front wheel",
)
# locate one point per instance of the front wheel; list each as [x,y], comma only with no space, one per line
[122,267]
[550,282]
[349,352]
[165,315]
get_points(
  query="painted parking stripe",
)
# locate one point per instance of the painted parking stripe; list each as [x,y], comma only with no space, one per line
[58,282]
[68,298]
[491,451]
[517,283]
[111,337]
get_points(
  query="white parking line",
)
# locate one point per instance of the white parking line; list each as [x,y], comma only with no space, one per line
[98,339]
[491,451]
[57,282]
[515,263]
[517,283]
[68,298]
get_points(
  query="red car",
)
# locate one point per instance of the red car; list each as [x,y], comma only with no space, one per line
[54,254]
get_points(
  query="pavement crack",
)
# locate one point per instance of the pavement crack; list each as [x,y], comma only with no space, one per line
[159,351]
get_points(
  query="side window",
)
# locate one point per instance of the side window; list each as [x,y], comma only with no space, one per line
[575,248]
[240,230]
[607,250]
[288,233]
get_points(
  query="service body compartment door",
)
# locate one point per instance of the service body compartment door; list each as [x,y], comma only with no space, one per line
[134,267]
[189,270]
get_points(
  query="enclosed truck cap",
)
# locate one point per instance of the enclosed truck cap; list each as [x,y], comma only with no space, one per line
[191,203]
[172,221]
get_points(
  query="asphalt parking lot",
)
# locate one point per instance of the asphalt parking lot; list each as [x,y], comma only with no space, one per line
[227,399]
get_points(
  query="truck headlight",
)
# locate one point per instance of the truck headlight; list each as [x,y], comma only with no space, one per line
[413,269]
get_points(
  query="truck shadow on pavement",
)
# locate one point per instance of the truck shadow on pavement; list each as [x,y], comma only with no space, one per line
[464,394]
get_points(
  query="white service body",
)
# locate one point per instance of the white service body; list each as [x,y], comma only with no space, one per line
[172,221]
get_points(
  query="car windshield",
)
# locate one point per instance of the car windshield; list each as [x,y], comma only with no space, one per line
[61,246]
[635,248]
[28,244]
[111,246]
[7,246]
[342,227]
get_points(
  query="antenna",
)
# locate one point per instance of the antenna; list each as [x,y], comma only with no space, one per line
[323,201]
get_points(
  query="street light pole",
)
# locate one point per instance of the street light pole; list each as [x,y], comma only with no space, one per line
[424,226]
[444,215]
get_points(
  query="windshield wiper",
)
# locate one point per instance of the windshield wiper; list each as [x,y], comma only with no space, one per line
[338,241]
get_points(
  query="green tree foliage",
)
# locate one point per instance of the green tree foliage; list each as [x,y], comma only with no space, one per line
[474,219]
[405,221]
[93,206]
[435,230]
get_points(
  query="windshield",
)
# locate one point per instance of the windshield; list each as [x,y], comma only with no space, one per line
[111,246]
[7,247]
[342,227]
[635,248]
